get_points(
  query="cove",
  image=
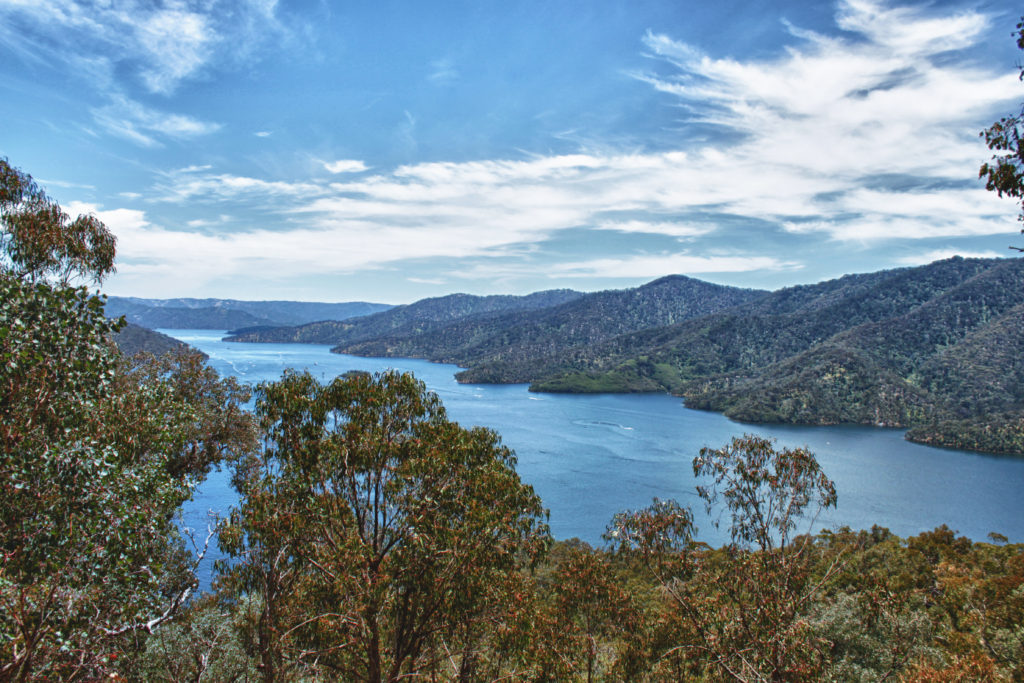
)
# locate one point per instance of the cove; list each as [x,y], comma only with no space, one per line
[590,456]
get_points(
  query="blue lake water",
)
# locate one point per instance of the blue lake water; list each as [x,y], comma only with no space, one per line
[590,456]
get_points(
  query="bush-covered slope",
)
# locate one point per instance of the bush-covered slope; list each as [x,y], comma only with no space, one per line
[936,347]
[516,337]
[749,336]
[178,318]
[133,339]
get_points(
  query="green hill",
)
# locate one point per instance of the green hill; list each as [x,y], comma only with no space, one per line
[935,348]
[133,339]
[419,317]
[515,338]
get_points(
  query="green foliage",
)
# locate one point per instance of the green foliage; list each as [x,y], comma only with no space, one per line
[39,240]
[995,433]
[373,530]
[203,643]
[1005,173]
[738,613]
[88,540]
[765,491]
[96,454]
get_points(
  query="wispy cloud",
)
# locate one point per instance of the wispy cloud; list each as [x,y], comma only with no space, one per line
[160,44]
[145,126]
[443,72]
[672,229]
[197,184]
[126,48]
[817,125]
[644,266]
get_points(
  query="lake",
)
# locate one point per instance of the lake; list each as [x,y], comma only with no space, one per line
[590,456]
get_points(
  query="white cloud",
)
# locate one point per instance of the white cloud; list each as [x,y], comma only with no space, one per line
[175,44]
[345,166]
[194,183]
[443,72]
[671,229]
[643,267]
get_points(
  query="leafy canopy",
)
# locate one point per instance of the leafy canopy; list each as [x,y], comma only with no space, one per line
[97,452]
[373,530]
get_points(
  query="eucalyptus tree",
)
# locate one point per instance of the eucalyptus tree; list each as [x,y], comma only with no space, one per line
[97,452]
[739,612]
[374,536]
[1004,173]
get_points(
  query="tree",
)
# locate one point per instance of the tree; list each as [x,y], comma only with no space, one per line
[40,241]
[740,610]
[1004,174]
[372,530]
[590,622]
[90,549]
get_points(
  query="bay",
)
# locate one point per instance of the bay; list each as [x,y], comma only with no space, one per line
[590,456]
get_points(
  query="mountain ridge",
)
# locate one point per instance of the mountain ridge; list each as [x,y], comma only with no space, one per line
[922,347]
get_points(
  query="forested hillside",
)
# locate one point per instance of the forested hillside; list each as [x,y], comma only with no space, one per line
[421,316]
[518,336]
[911,347]
[132,339]
[931,347]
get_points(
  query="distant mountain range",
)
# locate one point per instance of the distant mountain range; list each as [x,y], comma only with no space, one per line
[230,314]
[937,348]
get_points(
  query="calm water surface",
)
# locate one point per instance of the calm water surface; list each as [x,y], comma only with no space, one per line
[590,456]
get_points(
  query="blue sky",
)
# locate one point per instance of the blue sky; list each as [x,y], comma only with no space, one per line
[389,151]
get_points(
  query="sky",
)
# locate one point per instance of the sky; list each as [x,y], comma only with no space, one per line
[393,150]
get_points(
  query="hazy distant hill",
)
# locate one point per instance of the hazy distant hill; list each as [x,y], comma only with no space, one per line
[516,337]
[230,314]
[415,318]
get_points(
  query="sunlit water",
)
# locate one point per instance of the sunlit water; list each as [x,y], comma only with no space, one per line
[590,456]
